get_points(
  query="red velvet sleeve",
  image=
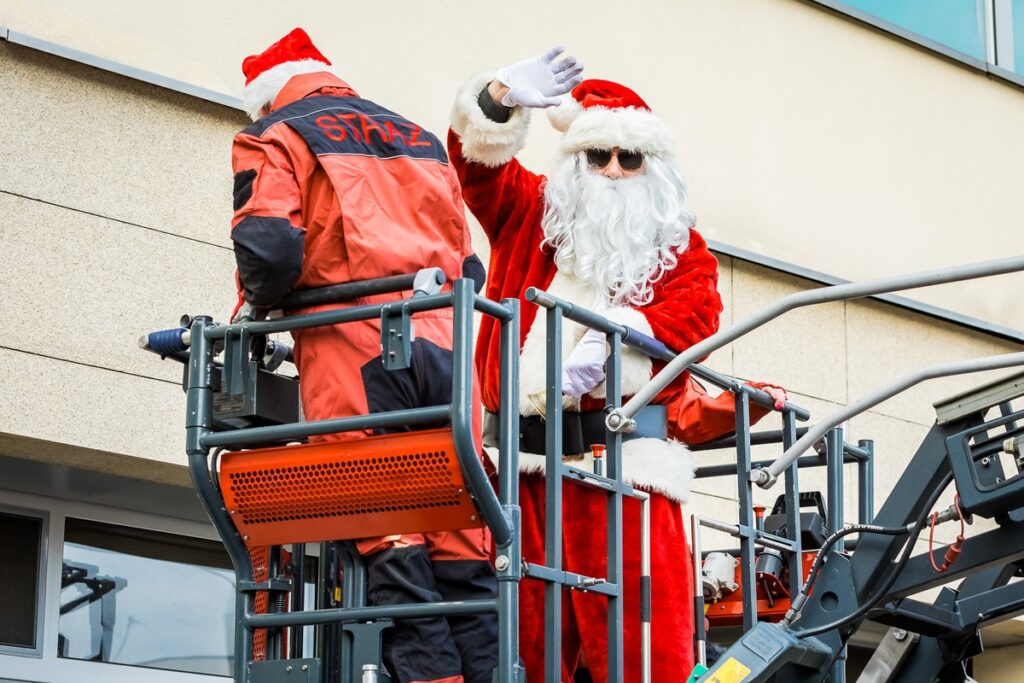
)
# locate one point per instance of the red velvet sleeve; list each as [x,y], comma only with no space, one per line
[496,195]
[687,305]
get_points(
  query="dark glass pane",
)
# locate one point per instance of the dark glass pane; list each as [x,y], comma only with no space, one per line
[958,24]
[144,598]
[20,539]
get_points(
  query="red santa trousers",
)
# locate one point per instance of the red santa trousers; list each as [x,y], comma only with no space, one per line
[584,623]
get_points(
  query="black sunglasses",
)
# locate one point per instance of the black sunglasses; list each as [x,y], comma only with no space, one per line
[629,161]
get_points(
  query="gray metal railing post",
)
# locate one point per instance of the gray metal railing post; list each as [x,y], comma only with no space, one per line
[621,420]
[553,499]
[792,498]
[696,554]
[510,571]
[198,420]
[613,386]
[866,483]
[462,408]
[834,483]
[745,495]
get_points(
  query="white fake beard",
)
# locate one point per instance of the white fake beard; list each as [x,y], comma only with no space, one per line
[620,235]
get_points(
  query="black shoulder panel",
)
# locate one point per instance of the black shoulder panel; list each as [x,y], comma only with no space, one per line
[353,126]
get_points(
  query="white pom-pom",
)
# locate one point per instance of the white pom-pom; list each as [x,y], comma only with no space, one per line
[562,116]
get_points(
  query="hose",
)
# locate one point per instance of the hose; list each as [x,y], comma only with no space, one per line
[908,549]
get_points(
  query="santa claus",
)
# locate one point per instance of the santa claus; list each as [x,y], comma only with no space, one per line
[609,229]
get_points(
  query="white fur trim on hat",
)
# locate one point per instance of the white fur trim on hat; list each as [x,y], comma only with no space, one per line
[485,141]
[264,88]
[561,117]
[664,467]
[627,128]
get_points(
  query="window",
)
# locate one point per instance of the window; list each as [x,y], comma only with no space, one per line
[986,34]
[959,24]
[138,597]
[21,553]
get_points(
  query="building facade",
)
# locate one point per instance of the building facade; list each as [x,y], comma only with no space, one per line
[822,141]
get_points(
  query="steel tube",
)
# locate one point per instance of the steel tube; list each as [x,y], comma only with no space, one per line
[553,498]
[462,416]
[335,316]
[652,347]
[347,291]
[347,615]
[503,311]
[767,540]
[391,418]
[614,457]
[645,588]
[508,494]
[699,636]
[619,420]
[766,477]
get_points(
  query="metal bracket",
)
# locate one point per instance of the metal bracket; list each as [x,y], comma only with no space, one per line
[366,644]
[283,585]
[285,671]
[396,335]
[236,363]
[894,649]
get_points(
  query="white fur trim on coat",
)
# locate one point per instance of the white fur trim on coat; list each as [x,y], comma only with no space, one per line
[533,357]
[264,88]
[485,141]
[627,128]
[636,367]
[664,467]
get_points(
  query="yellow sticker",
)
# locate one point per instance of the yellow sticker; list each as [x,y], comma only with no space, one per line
[337,594]
[731,671]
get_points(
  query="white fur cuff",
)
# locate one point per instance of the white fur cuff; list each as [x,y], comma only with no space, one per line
[636,366]
[664,467]
[485,141]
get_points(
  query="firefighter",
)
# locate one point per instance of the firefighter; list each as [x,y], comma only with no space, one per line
[330,187]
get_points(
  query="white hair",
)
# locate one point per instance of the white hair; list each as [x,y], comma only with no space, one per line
[621,235]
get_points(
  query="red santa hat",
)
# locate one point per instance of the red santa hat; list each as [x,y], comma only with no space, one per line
[268,72]
[602,114]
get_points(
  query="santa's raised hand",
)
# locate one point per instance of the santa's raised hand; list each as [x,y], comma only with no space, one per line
[537,82]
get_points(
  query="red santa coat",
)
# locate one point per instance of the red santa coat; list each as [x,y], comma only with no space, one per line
[508,201]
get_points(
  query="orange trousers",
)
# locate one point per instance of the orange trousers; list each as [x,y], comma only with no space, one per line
[342,374]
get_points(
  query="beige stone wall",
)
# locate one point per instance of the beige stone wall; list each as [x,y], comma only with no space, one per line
[807,136]
[1000,665]
[114,207]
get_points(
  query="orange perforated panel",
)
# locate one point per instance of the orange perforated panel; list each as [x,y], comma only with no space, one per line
[359,488]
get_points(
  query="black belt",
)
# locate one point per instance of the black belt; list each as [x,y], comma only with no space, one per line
[579,430]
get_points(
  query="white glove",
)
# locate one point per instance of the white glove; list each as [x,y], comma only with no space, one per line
[540,82]
[583,370]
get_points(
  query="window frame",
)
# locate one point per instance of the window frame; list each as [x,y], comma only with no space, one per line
[43,516]
[999,63]
[45,666]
